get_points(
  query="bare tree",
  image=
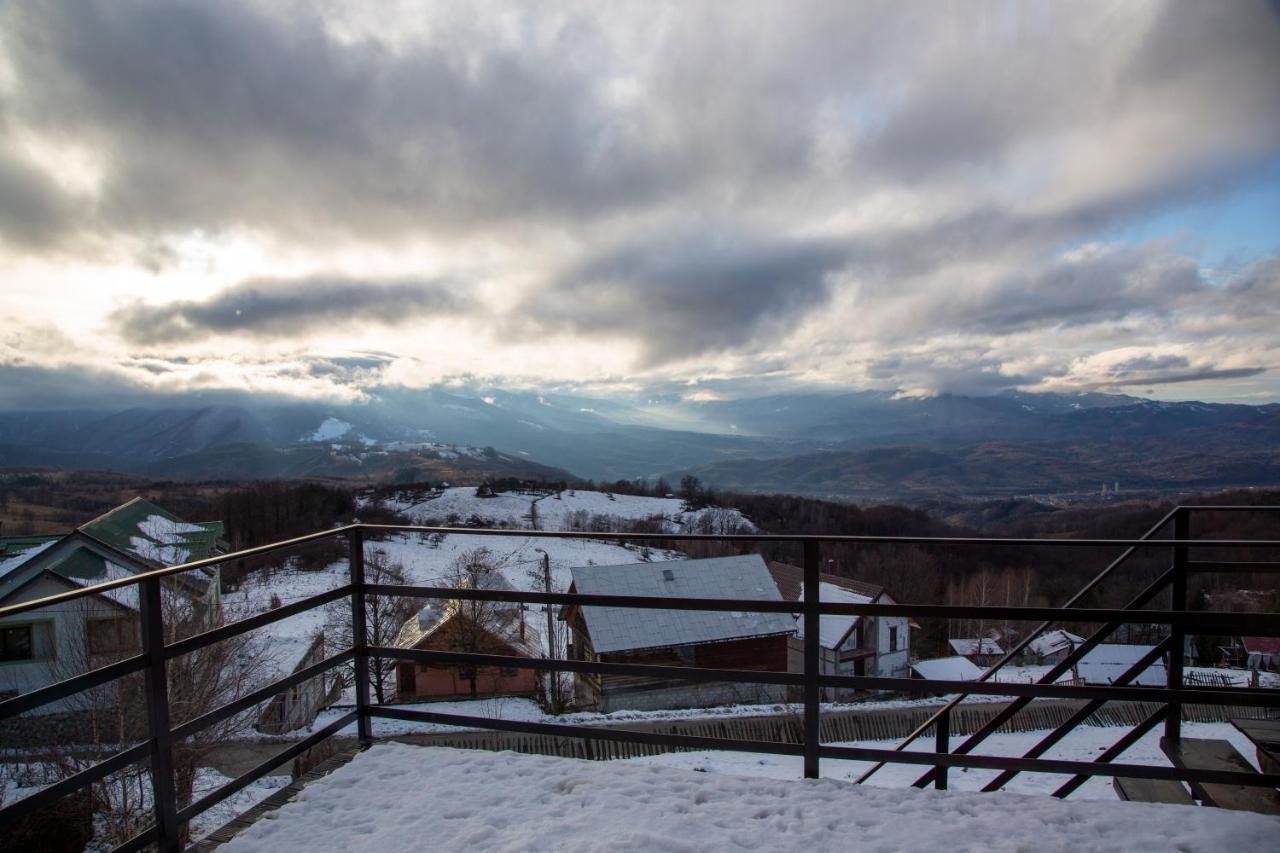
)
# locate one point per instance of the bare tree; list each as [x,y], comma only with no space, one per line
[383,617]
[480,627]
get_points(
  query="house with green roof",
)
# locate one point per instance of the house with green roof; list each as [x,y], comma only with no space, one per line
[53,643]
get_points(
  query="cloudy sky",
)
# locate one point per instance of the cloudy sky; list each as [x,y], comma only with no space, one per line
[315,200]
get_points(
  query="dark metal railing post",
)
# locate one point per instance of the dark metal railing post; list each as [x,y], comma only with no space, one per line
[812,660]
[1178,601]
[941,745]
[359,637]
[156,682]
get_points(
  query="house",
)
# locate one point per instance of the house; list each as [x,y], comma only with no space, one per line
[982,651]
[491,628]
[706,638]
[1106,662]
[297,707]
[1261,653]
[954,668]
[851,645]
[49,644]
[1052,646]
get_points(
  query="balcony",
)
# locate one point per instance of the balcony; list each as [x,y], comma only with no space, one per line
[1186,555]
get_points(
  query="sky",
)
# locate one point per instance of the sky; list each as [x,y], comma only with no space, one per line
[322,199]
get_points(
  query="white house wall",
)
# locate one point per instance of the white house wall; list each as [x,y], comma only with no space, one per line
[57,641]
[893,664]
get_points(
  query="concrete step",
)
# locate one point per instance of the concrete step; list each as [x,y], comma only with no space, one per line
[1205,754]
[1152,791]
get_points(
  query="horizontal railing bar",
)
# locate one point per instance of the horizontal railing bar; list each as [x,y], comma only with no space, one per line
[71,784]
[230,709]
[686,673]
[1037,765]
[263,768]
[241,626]
[1249,623]
[1229,566]
[1240,696]
[71,595]
[1050,765]
[168,571]
[70,686]
[767,747]
[139,842]
[824,538]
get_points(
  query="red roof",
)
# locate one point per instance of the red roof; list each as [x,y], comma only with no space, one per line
[1261,645]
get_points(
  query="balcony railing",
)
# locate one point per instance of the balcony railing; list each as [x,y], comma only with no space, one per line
[166,833]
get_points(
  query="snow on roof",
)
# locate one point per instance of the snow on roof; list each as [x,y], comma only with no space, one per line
[125,595]
[947,669]
[20,558]
[833,628]
[1104,663]
[976,646]
[1052,642]
[615,629]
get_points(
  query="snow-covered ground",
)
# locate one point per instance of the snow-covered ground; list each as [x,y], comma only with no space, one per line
[560,510]
[1083,744]
[394,797]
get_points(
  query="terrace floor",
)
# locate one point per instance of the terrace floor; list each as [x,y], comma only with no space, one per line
[398,797]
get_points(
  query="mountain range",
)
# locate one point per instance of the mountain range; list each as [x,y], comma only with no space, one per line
[854,444]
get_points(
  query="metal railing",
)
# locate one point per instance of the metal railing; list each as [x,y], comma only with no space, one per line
[166,833]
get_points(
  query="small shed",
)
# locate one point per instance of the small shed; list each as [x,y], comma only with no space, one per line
[982,651]
[1053,646]
[955,668]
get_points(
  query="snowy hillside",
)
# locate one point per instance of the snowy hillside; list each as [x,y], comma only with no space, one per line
[572,509]
[426,561]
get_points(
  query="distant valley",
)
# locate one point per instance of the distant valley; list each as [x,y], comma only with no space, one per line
[862,445]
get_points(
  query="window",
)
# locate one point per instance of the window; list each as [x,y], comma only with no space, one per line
[893,639]
[508,671]
[15,643]
[107,636]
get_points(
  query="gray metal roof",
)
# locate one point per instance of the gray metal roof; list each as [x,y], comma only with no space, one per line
[616,629]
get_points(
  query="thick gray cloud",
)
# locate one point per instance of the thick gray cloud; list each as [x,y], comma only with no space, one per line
[690,293]
[272,308]
[898,194]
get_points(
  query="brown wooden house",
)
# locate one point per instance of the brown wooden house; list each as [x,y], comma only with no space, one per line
[490,628]
[728,640]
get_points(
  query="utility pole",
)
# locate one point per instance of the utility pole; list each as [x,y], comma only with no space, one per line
[551,635]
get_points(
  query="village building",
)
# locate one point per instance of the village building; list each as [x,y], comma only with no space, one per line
[953,668]
[1261,653]
[296,707]
[850,645]
[1052,646]
[489,628]
[981,651]
[1106,662]
[682,638]
[49,644]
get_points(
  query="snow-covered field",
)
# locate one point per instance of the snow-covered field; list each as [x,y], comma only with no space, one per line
[394,797]
[560,510]
[1083,744]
